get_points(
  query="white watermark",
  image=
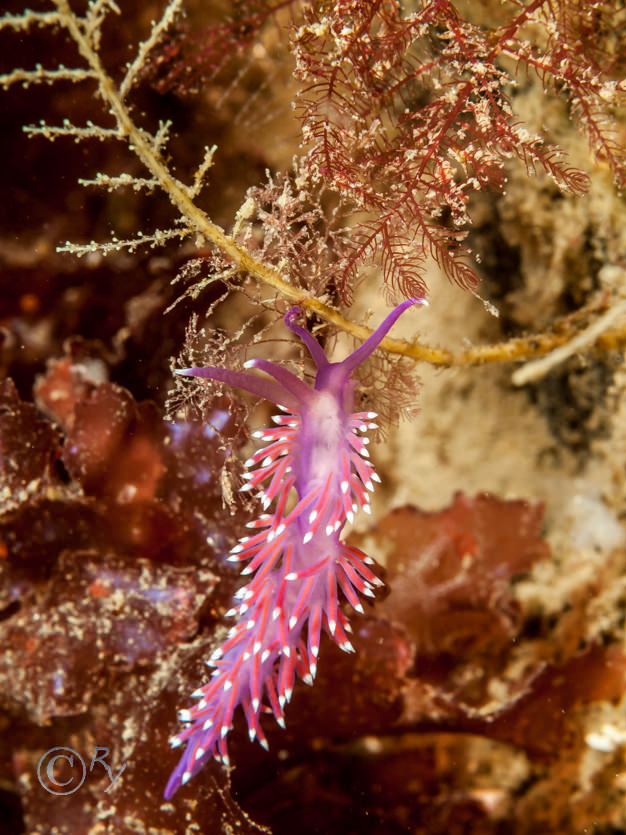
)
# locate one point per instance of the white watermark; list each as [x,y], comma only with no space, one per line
[74,769]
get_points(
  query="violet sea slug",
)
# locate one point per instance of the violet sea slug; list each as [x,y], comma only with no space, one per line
[294,554]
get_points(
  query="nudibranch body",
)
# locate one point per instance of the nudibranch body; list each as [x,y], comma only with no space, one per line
[294,553]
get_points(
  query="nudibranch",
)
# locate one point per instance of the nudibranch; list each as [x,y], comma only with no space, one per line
[295,557]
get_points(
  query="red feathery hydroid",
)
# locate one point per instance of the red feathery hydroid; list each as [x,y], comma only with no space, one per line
[295,556]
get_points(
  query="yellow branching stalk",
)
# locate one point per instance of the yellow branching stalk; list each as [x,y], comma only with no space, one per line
[193,223]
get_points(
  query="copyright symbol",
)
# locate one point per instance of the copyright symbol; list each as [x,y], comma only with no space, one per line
[58,768]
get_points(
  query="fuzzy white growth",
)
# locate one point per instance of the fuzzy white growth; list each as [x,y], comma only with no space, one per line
[157,33]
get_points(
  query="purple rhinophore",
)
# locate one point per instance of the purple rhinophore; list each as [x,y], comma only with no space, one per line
[293,553]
